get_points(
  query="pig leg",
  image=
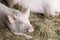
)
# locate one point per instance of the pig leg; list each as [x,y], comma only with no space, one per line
[23,34]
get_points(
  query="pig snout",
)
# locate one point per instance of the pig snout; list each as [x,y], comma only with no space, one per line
[30,29]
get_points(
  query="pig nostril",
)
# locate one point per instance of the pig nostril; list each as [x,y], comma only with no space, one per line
[31,29]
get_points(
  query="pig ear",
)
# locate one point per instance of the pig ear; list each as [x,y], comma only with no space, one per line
[10,18]
[27,12]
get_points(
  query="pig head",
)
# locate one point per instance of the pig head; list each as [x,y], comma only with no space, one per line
[15,20]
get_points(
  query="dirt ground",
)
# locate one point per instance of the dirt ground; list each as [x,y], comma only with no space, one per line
[45,29]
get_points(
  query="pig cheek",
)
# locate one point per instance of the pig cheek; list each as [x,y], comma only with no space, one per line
[31,29]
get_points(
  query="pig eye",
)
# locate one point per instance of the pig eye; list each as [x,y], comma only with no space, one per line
[21,22]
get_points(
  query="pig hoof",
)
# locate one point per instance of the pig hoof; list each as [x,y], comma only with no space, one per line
[29,37]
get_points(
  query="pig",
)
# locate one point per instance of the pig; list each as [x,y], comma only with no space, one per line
[15,20]
[50,7]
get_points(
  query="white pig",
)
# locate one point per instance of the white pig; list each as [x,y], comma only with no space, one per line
[15,20]
[51,7]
